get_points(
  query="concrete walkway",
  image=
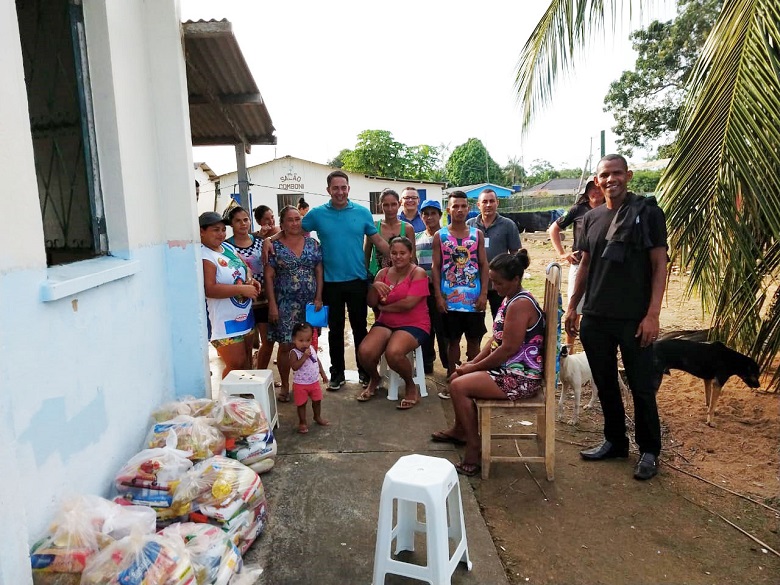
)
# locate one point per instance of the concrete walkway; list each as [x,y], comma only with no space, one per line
[323,493]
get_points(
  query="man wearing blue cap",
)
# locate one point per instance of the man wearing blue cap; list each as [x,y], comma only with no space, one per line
[431,216]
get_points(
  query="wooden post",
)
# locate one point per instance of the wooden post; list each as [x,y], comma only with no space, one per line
[243,179]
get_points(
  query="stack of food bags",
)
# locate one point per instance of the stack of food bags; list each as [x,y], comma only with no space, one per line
[227,494]
[150,479]
[189,405]
[141,559]
[82,526]
[198,436]
[249,438]
[215,558]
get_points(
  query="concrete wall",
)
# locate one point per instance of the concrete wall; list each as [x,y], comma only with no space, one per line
[308,179]
[81,371]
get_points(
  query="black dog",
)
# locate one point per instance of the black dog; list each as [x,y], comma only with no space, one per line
[713,362]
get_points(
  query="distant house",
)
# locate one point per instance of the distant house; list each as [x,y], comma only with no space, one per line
[283,181]
[554,187]
[473,191]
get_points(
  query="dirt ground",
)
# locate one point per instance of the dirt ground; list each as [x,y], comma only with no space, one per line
[595,524]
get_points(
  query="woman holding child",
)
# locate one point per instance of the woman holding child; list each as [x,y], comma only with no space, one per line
[398,292]
[509,367]
[293,278]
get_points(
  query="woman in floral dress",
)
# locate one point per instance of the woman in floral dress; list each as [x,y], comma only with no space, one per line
[293,278]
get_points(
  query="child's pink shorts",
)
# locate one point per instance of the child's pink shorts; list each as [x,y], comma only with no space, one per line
[301,393]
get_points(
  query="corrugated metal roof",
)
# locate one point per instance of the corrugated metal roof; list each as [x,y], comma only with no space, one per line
[225,103]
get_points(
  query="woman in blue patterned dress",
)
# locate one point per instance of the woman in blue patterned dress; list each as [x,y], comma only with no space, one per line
[293,278]
[509,367]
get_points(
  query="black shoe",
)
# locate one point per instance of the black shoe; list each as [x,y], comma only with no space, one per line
[336,382]
[364,379]
[647,467]
[605,451]
[428,368]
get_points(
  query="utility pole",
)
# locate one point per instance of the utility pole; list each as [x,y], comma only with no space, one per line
[603,146]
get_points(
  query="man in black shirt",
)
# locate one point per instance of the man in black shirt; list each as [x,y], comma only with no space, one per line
[622,275]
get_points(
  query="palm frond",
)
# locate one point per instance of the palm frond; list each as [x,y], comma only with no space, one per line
[722,190]
[564,29]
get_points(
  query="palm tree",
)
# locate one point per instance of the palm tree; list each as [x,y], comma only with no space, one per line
[721,191]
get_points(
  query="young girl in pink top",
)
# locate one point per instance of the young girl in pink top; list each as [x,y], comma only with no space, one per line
[403,324]
[307,371]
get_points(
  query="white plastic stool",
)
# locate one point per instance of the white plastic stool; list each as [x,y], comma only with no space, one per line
[394,380]
[433,482]
[257,383]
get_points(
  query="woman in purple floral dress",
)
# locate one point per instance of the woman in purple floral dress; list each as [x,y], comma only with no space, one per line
[509,367]
[293,278]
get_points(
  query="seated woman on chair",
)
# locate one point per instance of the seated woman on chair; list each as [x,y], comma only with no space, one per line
[509,367]
[403,324]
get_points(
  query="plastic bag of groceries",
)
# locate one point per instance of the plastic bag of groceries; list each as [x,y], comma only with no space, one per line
[253,449]
[248,576]
[240,417]
[141,559]
[83,525]
[215,558]
[198,436]
[150,478]
[60,556]
[188,405]
[228,494]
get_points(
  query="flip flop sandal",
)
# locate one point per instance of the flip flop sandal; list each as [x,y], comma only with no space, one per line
[364,396]
[303,429]
[406,404]
[442,437]
[468,469]
[444,395]
[283,397]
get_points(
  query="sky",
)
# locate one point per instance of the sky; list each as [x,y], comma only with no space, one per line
[432,72]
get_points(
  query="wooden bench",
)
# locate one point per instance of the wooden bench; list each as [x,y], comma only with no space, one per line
[542,405]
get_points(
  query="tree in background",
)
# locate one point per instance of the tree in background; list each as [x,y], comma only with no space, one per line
[543,170]
[338,160]
[514,173]
[378,154]
[646,102]
[722,186]
[645,181]
[470,164]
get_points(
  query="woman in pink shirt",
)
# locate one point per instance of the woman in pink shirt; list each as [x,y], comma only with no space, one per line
[403,324]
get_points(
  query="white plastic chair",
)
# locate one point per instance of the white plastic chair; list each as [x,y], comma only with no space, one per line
[394,381]
[432,482]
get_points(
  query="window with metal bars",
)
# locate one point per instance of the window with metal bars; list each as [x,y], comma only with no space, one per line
[54,51]
[285,199]
[374,198]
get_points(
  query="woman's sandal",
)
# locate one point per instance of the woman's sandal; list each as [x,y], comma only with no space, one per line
[364,396]
[283,397]
[468,469]
[442,437]
[406,404]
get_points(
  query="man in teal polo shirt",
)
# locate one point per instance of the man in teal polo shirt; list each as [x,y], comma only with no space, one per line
[341,227]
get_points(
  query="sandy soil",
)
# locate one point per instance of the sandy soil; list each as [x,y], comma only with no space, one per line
[595,524]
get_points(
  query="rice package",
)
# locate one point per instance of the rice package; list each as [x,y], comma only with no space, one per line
[189,405]
[198,436]
[228,494]
[215,558]
[151,477]
[141,560]
[241,417]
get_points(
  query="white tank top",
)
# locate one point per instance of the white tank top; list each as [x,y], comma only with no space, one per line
[232,316]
